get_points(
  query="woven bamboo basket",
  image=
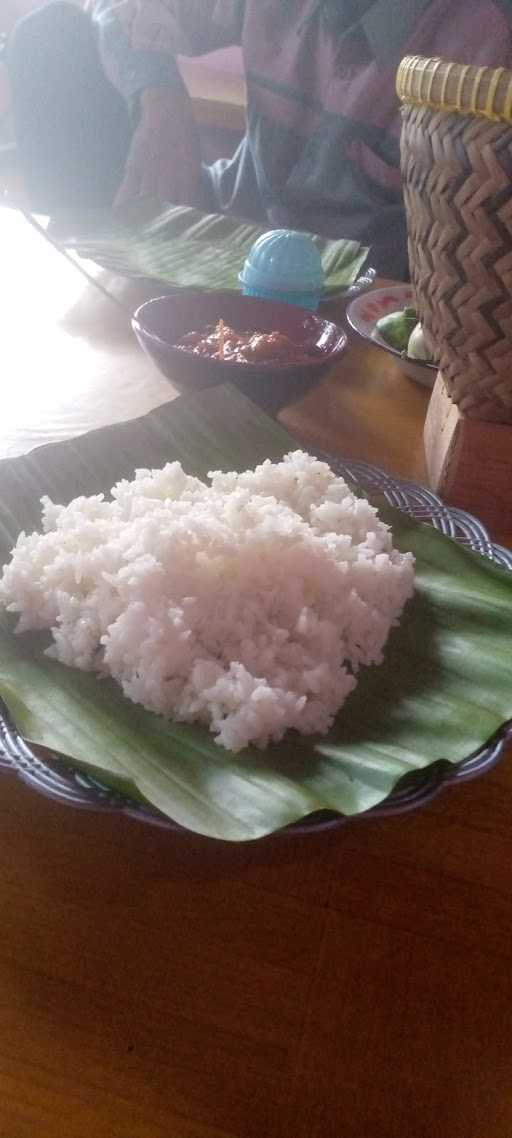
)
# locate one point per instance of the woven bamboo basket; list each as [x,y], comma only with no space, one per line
[457,174]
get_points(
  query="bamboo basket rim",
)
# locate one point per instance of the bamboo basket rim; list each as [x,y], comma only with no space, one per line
[460,88]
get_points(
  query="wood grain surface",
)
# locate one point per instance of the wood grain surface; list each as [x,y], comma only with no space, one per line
[355,983]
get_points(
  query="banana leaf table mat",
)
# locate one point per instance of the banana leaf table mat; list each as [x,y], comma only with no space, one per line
[184,248]
[444,689]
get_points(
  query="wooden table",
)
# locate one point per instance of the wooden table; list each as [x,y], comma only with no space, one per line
[217,92]
[356,983]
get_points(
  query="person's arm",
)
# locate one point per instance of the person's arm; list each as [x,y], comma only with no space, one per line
[140,40]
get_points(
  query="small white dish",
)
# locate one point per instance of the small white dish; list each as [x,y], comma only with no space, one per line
[364,311]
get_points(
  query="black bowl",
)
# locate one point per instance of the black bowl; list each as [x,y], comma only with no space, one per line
[160,323]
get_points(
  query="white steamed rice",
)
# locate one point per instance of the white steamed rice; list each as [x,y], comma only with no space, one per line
[248,604]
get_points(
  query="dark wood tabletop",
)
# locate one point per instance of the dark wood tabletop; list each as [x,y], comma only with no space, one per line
[350,983]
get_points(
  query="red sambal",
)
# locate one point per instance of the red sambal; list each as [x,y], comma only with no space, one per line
[220,342]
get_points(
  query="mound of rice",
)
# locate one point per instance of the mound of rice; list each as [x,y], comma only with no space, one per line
[248,604]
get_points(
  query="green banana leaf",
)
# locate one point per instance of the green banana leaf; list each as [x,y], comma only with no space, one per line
[185,248]
[445,686]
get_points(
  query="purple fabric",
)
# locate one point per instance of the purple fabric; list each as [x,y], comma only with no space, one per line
[322,145]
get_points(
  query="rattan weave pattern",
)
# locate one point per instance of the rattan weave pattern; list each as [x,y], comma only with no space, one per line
[457,175]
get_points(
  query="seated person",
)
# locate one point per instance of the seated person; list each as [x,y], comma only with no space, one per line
[321,151]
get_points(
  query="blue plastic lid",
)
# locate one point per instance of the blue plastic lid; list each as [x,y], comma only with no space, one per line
[284,259]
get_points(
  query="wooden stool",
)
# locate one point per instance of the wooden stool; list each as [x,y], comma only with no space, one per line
[469,461]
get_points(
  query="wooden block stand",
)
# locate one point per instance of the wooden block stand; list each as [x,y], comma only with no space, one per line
[469,461]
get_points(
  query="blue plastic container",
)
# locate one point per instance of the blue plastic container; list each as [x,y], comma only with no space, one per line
[285,266]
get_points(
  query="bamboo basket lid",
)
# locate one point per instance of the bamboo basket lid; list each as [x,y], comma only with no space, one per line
[456,88]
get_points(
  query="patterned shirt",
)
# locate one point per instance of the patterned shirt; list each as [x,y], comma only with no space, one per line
[321,150]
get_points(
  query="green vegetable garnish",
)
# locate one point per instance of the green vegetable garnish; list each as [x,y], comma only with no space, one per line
[417,347]
[396,327]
